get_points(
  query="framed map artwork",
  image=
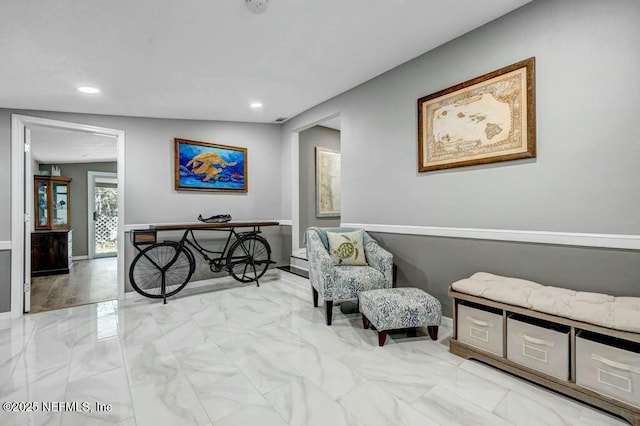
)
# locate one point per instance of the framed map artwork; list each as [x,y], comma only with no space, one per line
[201,166]
[488,119]
[328,191]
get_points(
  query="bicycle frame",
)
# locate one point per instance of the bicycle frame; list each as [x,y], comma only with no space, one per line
[193,242]
[217,262]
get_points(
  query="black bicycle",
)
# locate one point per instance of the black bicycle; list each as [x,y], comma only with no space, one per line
[164,268]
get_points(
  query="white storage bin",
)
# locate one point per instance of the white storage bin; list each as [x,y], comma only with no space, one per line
[539,345]
[480,328]
[608,369]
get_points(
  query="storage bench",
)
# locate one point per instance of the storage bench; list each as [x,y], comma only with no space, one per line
[517,332]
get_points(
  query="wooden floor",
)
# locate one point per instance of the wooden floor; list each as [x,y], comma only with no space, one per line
[89,281]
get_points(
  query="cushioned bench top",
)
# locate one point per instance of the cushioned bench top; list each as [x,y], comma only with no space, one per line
[620,313]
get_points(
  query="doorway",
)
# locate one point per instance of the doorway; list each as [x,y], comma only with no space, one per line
[318,178]
[64,272]
[304,208]
[102,197]
[23,167]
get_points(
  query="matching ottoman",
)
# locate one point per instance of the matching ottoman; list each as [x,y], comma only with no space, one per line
[395,308]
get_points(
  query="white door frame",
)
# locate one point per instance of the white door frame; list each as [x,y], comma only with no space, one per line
[29,206]
[91,187]
[18,125]
[295,176]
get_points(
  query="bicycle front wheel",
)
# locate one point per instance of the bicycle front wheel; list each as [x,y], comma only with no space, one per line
[146,271]
[248,258]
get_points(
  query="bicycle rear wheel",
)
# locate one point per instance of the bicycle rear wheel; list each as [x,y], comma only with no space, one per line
[146,271]
[249,258]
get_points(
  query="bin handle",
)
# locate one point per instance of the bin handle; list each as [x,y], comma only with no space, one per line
[537,341]
[478,322]
[614,364]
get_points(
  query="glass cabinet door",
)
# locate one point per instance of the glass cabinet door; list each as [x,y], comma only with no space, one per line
[51,203]
[59,205]
[42,193]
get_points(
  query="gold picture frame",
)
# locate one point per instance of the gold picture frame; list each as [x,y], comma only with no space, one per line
[209,167]
[488,119]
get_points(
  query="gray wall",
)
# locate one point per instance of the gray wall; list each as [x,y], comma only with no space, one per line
[316,136]
[5,210]
[149,193]
[5,281]
[78,173]
[584,179]
[5,175]
[150,196]
[433,263]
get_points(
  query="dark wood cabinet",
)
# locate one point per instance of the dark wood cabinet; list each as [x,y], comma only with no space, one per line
[51,206]
[51,253]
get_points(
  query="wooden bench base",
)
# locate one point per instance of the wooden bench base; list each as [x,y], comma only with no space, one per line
[565,387]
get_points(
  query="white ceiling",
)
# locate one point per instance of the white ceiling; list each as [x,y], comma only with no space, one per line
[57,146]
[208,59]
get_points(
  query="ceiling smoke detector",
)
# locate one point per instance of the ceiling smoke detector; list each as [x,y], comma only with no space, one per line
[257,6]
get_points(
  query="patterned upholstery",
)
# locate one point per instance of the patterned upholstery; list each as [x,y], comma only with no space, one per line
[394,308]
[333,282]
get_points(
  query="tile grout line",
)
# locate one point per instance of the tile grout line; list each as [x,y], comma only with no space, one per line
[126,370]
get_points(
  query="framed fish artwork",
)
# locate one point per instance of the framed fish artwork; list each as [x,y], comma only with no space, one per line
[201,166]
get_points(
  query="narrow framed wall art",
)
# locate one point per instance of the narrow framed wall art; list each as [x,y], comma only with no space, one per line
[328,189]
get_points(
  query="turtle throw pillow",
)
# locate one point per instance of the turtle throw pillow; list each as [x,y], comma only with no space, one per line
[346,248]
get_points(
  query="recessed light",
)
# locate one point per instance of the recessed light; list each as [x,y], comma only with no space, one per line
[256,105]
[89,90]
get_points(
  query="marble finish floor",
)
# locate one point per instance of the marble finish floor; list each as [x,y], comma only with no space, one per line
[253,356]
[89,281]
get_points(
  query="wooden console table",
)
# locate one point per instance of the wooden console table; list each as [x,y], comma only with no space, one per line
[162,269]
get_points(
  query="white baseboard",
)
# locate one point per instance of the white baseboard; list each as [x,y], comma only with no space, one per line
[5,245]
[300,253]
[294,279]
[5,316]
[298,263]
[446,322]
[616,241]
[85,257]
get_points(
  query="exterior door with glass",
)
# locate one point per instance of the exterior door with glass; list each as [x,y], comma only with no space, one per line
[103,213]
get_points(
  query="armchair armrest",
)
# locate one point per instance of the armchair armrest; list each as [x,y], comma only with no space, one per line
[321,268]
[380,259]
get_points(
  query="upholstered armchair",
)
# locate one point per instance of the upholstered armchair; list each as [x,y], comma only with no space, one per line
[337,282]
